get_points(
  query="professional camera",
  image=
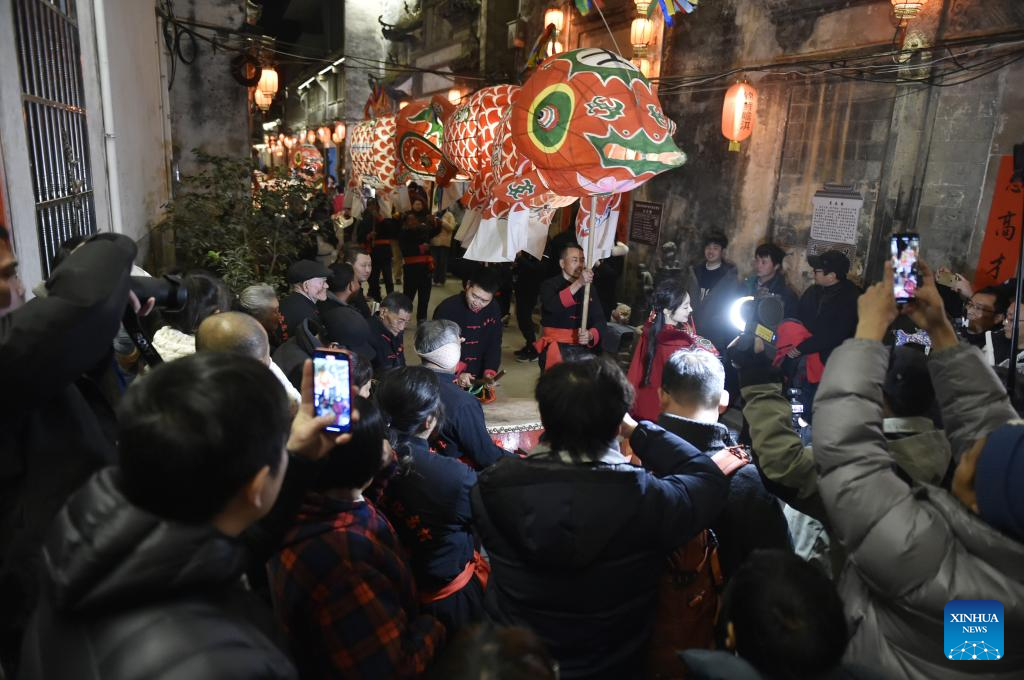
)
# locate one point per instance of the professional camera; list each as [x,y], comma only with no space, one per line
[170,294]
[757,318]
[169,291]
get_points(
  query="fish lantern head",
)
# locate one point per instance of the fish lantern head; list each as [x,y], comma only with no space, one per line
[418,136]
[590,123]
[308,162]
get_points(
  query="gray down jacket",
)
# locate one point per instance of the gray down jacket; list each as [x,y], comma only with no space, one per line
[912,549]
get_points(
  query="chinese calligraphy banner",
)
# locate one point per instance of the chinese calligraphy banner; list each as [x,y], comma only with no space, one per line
[998,259]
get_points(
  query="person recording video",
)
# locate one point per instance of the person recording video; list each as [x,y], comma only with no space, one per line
[56,429]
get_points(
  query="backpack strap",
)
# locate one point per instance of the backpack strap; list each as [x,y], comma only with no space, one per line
[730,459]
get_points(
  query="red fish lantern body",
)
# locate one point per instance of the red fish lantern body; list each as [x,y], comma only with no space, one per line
[469,133]
[372,148]
[585,124]
[418,142]
[739,114]
[590,124]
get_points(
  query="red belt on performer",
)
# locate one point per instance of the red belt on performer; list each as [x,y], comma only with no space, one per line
[418,259]
[549,340]
[381,242]
[477,566]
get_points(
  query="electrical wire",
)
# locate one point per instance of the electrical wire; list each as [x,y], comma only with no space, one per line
[870,72]
[873,66]
[192,30]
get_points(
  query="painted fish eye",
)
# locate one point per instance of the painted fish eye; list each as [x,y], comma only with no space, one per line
[549,116]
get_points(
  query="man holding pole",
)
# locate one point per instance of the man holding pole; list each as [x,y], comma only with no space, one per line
[569,328]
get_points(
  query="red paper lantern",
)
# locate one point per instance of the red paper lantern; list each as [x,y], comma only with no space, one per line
[739,114]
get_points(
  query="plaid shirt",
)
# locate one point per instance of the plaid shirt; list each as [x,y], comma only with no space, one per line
[345,597]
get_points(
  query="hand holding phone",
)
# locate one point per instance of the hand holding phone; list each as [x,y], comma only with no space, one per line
[905,249]
[332,387]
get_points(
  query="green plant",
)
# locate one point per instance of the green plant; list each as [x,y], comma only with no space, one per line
[244,231]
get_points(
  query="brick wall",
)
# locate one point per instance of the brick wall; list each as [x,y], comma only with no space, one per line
[922,158]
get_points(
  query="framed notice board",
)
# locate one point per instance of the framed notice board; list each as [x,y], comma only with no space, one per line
[645,223]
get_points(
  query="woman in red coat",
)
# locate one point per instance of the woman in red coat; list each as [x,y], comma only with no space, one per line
[672,329]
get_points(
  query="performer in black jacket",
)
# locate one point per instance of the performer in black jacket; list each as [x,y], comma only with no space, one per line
[361,263]
[561,299]
[386,332]
[381,255]
[479,317]
[463,432]
[427,501]
[414,242]
[529,275]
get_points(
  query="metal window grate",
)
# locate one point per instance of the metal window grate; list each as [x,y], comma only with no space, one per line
[49,56]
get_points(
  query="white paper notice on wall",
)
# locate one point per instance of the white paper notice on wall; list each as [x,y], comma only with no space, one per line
[836,212]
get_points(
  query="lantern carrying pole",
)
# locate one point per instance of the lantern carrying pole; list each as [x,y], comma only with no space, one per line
[589,262]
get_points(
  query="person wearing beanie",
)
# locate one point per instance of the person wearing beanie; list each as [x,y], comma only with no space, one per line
[463,432]
[828,308]
[308,281]
[914,547]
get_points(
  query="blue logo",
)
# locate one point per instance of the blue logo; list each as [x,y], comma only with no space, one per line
[973,630]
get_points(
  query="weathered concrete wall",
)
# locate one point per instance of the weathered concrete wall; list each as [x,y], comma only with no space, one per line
[139,116]
[209,108]
[922,158]
[363,39]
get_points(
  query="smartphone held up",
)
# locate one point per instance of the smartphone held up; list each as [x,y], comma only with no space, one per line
[905,249]
[332,387]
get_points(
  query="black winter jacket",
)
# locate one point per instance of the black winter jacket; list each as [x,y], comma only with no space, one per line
[830,314]
[576,549]
[128,595]
[752,518]
[51,439]
[291,356]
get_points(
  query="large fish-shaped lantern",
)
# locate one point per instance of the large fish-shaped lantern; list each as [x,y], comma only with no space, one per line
[418,142]
[372,149]
[589,125]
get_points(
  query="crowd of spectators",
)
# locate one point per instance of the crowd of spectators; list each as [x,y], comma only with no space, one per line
[179,511]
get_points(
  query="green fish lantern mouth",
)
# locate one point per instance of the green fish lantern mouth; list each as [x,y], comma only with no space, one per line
[639,153]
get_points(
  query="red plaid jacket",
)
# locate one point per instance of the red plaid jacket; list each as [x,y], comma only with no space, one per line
[345,597]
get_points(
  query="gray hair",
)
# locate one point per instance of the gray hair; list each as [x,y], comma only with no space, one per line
[431,335]
[257,299]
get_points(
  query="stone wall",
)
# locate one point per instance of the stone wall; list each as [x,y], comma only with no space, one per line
[209,108]
[922,158]
[363,39]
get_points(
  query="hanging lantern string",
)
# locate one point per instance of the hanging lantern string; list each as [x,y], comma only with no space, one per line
[607,28]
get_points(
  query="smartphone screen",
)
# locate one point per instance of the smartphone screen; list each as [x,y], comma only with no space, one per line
[905,249]
[332,388]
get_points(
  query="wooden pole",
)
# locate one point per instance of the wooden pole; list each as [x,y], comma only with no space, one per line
[590,261]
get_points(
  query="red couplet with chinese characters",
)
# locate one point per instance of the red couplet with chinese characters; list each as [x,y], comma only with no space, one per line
[998,259]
